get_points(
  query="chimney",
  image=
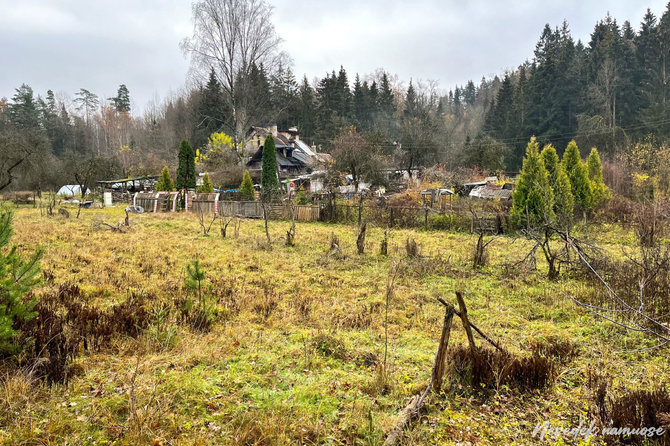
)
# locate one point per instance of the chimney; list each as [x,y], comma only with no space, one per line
[294,132]
[273,130]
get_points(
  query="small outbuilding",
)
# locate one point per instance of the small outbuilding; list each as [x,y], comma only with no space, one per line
[434,197]
[491,191]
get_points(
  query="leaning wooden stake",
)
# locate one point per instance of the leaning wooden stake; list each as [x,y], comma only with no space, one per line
[441,356]
[474,327]
[466,323]
[417,402]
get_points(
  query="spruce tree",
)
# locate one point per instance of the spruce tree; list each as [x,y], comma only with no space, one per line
[17,277]
[579,180]
[411,102]
[360,101]
[386,100]
[212,110]
[500,118]
[269,179]
[165,181]
[595,170]
[186,168]
[247,187]
[533,197]
[306,110]
[207,187]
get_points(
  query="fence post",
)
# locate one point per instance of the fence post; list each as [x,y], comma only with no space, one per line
[425,219]
[391,218]
[174,202]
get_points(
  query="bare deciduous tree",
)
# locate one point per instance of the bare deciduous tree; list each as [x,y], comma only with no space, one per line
[16,150]
[357,156]
[231,37]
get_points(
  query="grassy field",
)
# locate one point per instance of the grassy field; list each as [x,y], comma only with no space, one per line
[295,355]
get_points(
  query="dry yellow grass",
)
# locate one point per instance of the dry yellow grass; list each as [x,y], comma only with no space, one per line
[262,375]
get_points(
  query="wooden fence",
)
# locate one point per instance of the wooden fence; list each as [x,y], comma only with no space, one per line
[458,218]
[308,213]
[205,203]
[254,209]
[211,204]
[246,209]
[389,216]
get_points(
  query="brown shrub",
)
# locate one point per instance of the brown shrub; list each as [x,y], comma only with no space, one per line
[405,208]
[618,209]
[651,220]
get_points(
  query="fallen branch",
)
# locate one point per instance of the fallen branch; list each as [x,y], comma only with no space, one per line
[117,228]
[636,318]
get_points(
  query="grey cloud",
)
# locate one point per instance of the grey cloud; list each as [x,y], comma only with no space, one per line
[69,44]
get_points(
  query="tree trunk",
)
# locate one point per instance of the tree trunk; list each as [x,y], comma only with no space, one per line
[360,211]
[265,217]
[290,234]
[360,240]
[384,248]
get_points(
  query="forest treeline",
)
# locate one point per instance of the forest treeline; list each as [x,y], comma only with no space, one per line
[612,92]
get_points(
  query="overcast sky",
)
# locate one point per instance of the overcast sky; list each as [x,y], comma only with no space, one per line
[65,45]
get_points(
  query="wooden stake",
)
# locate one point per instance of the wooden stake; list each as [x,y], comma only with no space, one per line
[415,404]
[466,322]
[441,356]
[474,327]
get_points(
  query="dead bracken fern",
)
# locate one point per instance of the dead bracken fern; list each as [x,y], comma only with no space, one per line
[487,368]
[629,408]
